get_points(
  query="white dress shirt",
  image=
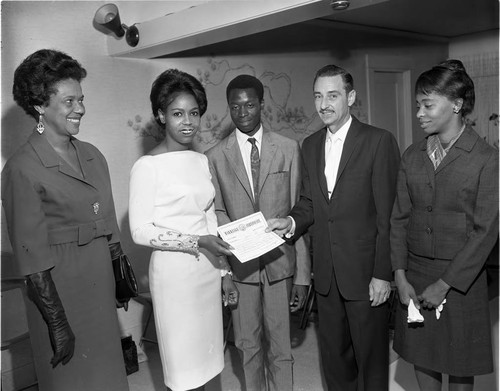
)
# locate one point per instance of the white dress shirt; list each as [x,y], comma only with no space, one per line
[334,144]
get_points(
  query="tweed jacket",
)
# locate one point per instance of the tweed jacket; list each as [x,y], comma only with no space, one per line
[279,182]
[450,213]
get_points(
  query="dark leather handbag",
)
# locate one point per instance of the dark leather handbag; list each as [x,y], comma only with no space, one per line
[129,349]
[126,284]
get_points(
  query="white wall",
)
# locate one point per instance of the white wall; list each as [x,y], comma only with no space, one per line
[466,45]
[479,54]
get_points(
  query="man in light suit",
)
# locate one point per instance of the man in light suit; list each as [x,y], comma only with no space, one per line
[348,190]
[276,282]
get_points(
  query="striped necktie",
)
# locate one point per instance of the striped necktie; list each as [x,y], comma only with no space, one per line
[255,168]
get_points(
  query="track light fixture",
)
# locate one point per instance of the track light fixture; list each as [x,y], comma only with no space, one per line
[108,17]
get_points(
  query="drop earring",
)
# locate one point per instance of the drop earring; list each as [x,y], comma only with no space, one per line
[456,110]
[40,126]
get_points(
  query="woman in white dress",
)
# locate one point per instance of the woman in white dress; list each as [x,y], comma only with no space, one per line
[172,211]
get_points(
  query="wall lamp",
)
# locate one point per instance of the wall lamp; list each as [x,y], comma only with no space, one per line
[339,5]
[108,17]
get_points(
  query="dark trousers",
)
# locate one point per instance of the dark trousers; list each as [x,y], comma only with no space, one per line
[354,343]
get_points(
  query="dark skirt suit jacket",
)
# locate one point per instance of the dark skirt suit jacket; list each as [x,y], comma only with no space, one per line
[57,220]
[350,235]
[279,184]
[444,225]
[450,213]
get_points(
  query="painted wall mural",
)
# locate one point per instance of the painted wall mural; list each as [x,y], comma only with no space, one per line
[281,113]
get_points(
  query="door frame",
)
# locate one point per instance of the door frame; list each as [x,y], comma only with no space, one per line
[374,63]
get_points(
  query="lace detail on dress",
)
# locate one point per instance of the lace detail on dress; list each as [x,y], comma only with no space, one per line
[176,241]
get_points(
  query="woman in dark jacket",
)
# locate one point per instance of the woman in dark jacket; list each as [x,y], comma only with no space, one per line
[56,193]
[444,224]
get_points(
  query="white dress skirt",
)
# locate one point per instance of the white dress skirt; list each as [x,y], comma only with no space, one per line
[172,199]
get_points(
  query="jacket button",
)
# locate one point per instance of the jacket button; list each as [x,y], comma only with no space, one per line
[428,230]
[429,208]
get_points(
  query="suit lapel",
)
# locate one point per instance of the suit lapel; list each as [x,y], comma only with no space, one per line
[350,145]
[320,163]
[429,167]
[448,159]
[86,161]
[50,159]
[233,155]
[267,155]
[464,143]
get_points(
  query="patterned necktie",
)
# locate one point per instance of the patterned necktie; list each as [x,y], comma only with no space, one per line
[255,167]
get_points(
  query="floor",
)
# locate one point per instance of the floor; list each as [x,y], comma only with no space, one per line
[307,367]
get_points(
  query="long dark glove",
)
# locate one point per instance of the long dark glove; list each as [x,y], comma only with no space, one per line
[42,291]
[115,250]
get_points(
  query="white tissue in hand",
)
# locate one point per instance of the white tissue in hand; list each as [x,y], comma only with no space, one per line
[439,309]
[414,314]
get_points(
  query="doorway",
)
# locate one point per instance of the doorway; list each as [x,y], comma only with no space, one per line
[389,102]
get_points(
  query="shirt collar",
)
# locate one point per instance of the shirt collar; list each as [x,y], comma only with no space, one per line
[454,139]
[242,137]
[341,133]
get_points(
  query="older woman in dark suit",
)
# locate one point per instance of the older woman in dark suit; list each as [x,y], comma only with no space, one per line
[56,193]
[444,224]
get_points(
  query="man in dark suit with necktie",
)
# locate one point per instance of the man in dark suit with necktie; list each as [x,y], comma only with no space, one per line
[348,189]
[254,169]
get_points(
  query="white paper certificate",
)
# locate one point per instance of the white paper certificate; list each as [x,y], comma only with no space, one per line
[248,237]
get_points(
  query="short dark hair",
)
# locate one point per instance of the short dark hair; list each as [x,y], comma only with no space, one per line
[243,82]
[333,70]
[167,87]
[35,78]
[448,79]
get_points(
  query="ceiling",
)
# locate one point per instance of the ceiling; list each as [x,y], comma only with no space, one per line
[439,20]
[442,18]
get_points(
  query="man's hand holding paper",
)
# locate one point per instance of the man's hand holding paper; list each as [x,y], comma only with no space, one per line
[248,237]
